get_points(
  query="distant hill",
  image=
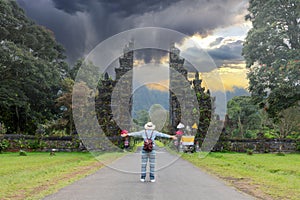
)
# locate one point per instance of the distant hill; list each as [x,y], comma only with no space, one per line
[236,92]
[221,106]
[144,98]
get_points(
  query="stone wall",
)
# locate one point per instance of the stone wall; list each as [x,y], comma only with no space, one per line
[33,143]
[73,143]
[258,145]
[64,144]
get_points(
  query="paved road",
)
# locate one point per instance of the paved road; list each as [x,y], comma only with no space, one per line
[176,179]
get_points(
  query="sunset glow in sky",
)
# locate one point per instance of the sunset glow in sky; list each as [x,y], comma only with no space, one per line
[217,26]
[233,72]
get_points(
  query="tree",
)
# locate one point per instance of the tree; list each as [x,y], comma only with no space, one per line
[272,53]
[289,122]
[159,116]
[31,70]
[242,112]
[142,118]
[64,103]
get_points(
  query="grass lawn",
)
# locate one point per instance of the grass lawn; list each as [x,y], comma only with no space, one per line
[266,176]
[39,174]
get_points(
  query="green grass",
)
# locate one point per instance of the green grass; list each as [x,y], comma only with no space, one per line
[274,175]
[39,174]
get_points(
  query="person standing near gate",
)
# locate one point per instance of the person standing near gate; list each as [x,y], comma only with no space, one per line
[126,140]
[148,152]
[179,134]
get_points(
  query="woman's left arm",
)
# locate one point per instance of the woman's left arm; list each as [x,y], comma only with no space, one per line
[159,134]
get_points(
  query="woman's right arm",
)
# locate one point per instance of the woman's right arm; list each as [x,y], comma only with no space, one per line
[136,134]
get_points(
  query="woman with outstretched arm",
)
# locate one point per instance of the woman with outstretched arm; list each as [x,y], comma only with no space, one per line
[148,133]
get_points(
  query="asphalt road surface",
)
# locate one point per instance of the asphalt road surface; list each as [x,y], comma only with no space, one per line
[176,179]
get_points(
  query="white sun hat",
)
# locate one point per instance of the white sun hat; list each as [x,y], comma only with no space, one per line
[180,125]
[149,126]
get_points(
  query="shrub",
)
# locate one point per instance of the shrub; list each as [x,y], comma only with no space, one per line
[2,128]
[271,134]
[251,134]
[249,152]
[22,143]
[225,146]
[298,146]
[22,153]
[4,144]
[34,144]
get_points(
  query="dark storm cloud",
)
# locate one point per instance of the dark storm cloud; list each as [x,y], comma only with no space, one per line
[194,16]
[229,51]
[216,42]
[81,24]
[199,59]
[209,59]
[69,30]
[72,6]
[123,8]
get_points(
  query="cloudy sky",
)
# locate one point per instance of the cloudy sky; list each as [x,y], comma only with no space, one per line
[217,25]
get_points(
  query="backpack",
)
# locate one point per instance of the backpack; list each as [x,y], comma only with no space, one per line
[148,143]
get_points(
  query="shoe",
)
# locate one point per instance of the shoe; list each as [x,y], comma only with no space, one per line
[152,180]
[142,180]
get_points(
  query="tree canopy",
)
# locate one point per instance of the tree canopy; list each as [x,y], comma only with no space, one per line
[243,114]
[31,70]
[272,52]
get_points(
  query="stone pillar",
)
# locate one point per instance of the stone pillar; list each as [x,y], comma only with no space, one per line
[176,64]
[123,91]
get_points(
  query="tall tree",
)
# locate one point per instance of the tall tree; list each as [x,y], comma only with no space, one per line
[142,118]
[31,69]
[272,52]
[64,103]
[289,122]
[244,114]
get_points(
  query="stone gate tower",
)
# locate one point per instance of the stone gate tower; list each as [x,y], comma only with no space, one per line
[124,74]
[176,64]
[204,100]
[119,92]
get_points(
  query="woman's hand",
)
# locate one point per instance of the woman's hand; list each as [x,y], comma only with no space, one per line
[173,137]
[124,133]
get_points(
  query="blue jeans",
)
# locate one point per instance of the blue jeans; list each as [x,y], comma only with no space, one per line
[145,157]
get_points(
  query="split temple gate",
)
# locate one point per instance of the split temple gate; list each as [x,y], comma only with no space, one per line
[122,101]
